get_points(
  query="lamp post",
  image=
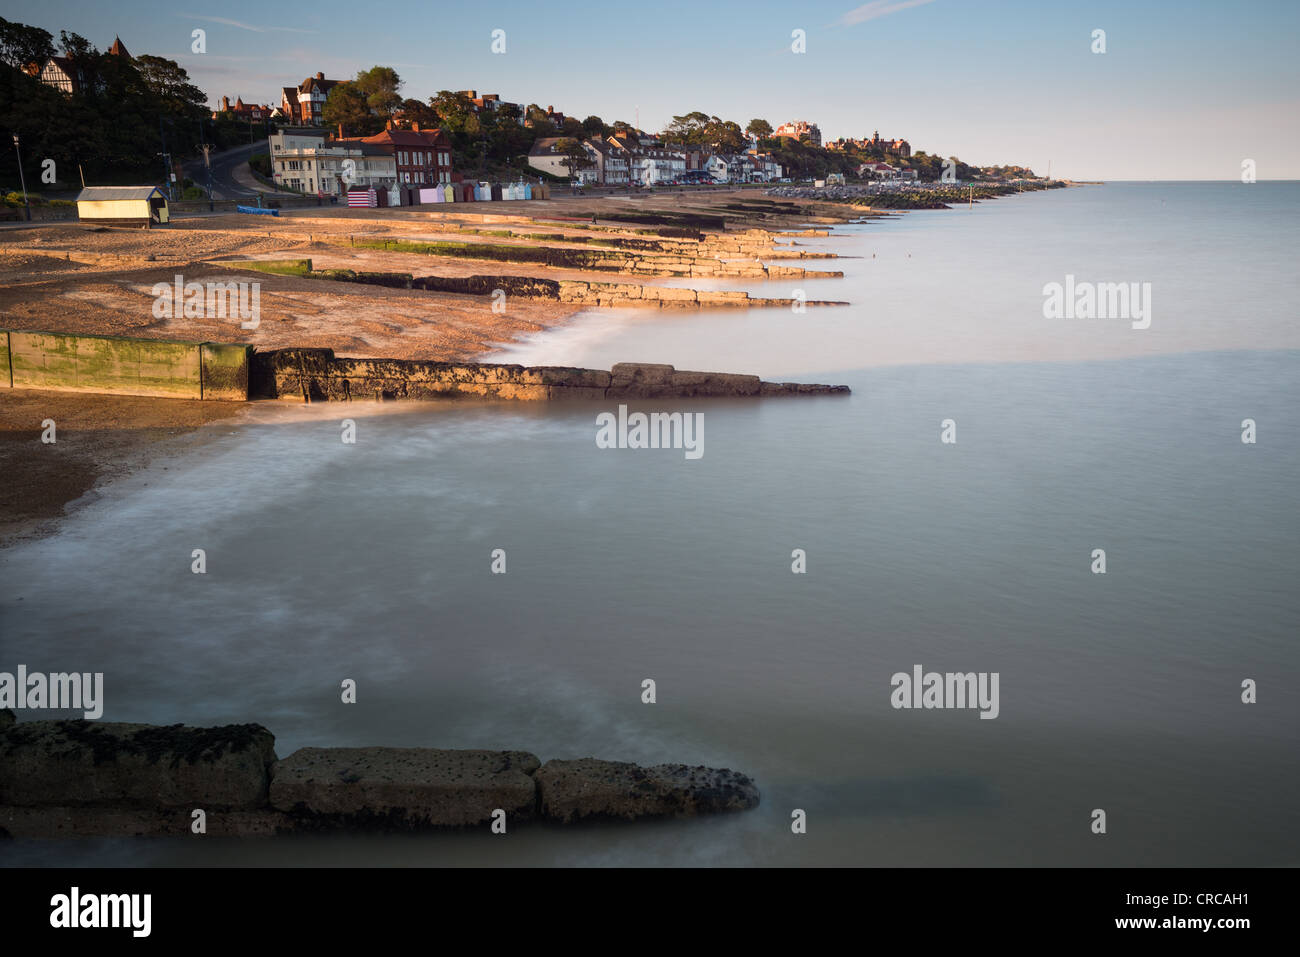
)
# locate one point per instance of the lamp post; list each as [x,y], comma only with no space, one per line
[167,163]
[207,162]
[22,179]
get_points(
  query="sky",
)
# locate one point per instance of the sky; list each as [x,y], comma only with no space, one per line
[1184,90]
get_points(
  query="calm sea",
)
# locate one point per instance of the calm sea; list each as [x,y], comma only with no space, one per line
[1119,692]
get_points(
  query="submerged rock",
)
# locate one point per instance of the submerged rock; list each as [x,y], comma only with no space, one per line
[589,787]
[403,787]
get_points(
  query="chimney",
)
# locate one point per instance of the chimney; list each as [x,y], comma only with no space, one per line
[415,126]
[320,76]
[388,125]
[340,131]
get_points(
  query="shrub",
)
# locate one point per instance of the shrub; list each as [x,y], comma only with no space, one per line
[193,192]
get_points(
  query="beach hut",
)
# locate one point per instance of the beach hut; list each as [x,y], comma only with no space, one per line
[466,192]
[362,197]
[448,192]
[123,205]
[496,191]
[439,194]
[528,191]
[394,196]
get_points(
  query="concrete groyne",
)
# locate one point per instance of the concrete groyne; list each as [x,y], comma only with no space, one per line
[78,363]
[91,779]
[578,292]
[208,370]
[317,375]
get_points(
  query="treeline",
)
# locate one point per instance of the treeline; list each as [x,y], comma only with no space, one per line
[112,127]
[492,139]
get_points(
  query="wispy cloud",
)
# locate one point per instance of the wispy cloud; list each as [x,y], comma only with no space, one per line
[878,8]
[243,26]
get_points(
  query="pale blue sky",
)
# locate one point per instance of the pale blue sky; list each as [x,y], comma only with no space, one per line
[1186,90]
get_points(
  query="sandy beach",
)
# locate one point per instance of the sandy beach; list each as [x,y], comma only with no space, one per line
[96,281]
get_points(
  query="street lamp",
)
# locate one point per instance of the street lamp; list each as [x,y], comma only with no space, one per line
[22,178]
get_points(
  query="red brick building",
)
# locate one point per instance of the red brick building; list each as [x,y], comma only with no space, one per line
[423,156]
[243,111]
[302,105]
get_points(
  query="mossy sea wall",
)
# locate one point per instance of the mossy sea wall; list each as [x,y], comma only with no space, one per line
[79,363]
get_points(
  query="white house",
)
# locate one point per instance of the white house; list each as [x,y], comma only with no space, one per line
[306,161]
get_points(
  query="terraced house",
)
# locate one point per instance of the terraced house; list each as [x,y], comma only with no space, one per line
[611,161]
[650,162]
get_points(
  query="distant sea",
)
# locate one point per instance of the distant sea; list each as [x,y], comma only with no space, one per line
[1119,692]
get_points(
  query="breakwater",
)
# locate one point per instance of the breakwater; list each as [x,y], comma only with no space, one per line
[577,292]
[910,195]
[87,778]
[206,370]
[317,375]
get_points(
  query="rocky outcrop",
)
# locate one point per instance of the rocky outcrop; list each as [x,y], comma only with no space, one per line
[72,763]
[589,787]
[403,787]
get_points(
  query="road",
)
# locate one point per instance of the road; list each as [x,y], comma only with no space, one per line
[231,177]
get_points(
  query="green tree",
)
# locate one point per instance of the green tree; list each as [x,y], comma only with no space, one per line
[454,110]
[21,44]
[575,156]
[417,111]
[346,106]
[759,129]
[379,86]
[724,136]
[689,129]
